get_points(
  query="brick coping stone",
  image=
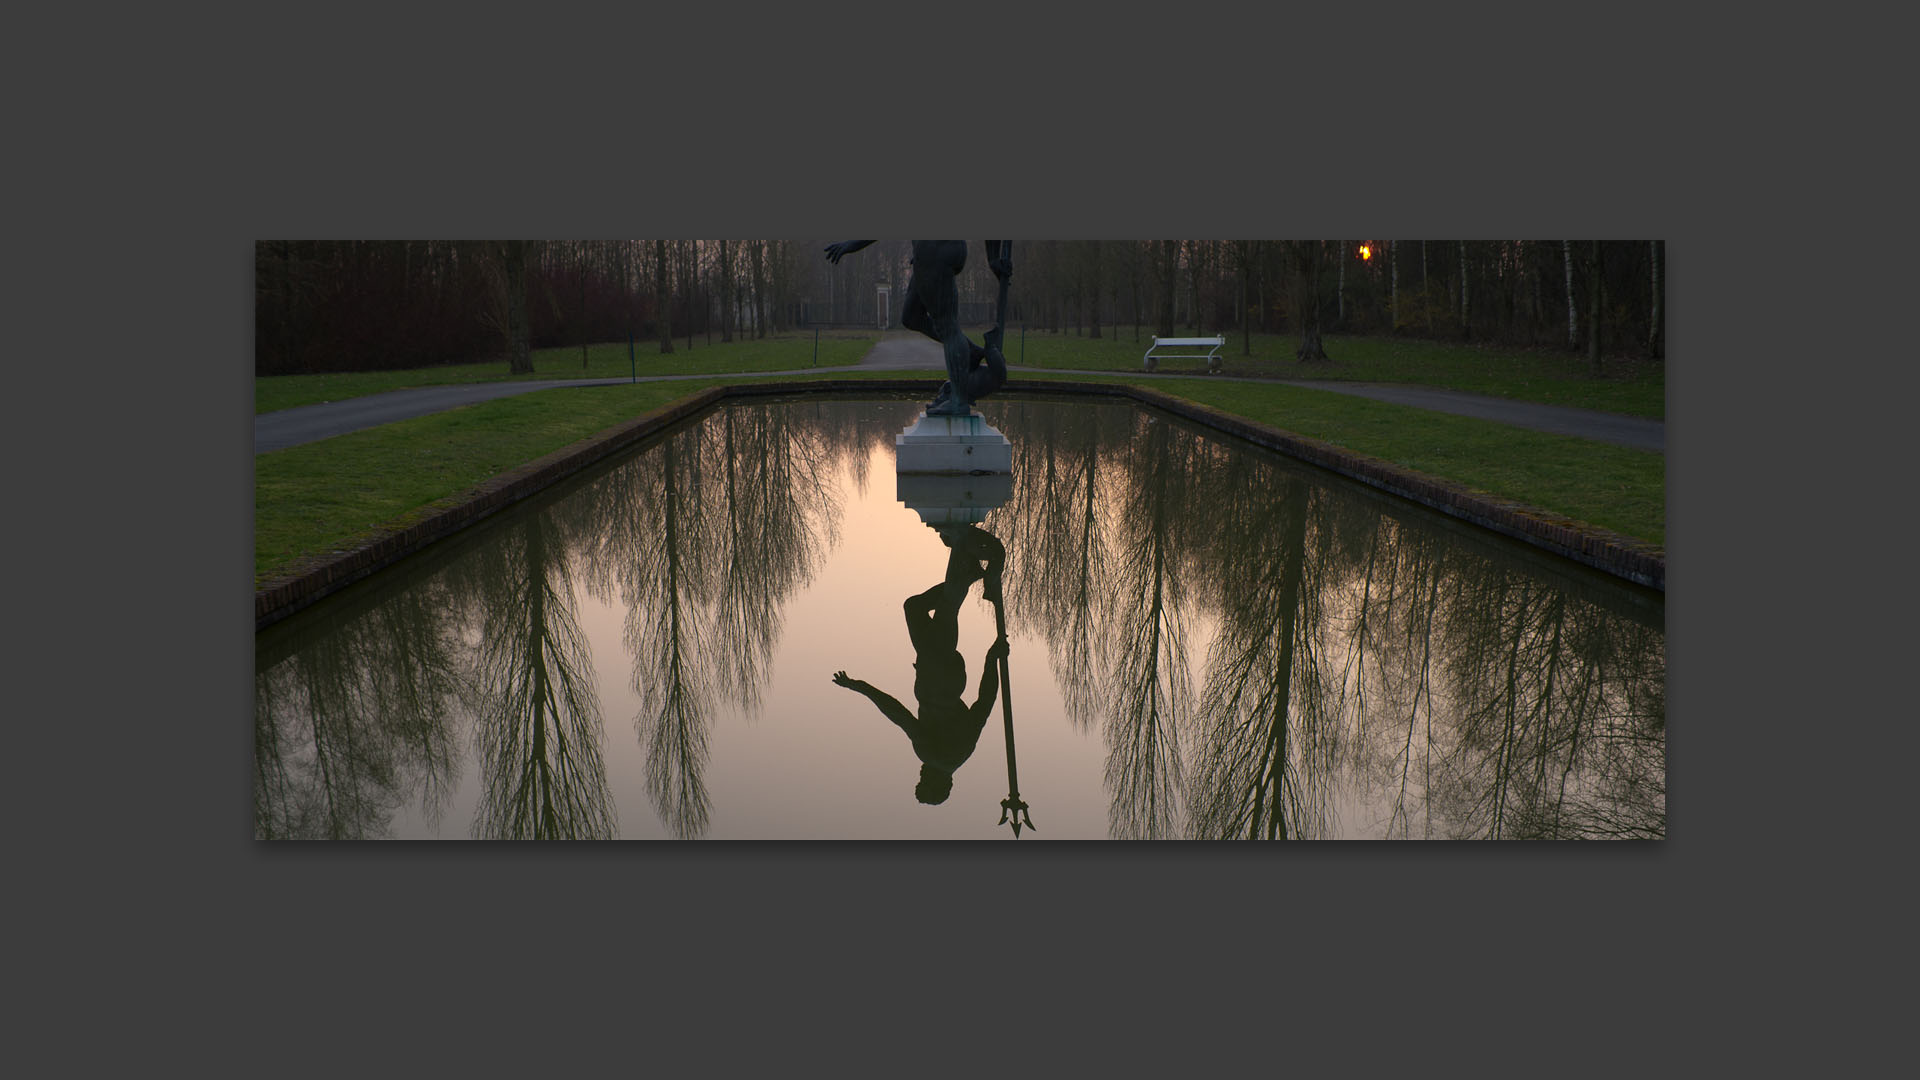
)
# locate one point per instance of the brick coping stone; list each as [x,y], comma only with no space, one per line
[318,576]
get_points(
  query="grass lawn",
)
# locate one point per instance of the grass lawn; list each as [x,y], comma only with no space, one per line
[780,352]
[1614,487]
[326,495]
[1548,376]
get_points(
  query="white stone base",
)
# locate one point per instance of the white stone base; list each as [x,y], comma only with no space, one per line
[949,499]
[954,445]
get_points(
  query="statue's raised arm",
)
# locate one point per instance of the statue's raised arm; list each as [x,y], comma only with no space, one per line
[844,247]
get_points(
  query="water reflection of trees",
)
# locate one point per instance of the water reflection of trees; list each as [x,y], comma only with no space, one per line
[1261,654]
[536,711]
[701,542]
[350,725]
[1359,658]
[701,539]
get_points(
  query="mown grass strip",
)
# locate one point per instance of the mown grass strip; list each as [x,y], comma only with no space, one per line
[328,495]
[1614,487]
[1547,376]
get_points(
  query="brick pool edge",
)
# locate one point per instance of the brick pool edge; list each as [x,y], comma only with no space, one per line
[319,576]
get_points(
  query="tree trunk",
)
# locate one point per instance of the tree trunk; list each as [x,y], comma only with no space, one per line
[1654,345]
[583,305]
[1340,303]
[1466,327]
[1169,280]
[286,305]
[1260,293]
[662,319]
[759,296]
[1093,289]
[1133,285]
[1426,296]
[1246,322]
[726,291]
[1393,308]
[1573,317]
[519,345]
[626,285]
[1310,350]
[1193,285]
[1593,310]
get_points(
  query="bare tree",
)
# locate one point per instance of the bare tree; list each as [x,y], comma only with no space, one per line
[662,297]
[1573,315]
[1594,287]
[726,290]
[1654,343]
[1307,296]
[513,255]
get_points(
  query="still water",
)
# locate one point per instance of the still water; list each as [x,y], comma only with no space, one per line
[740,631]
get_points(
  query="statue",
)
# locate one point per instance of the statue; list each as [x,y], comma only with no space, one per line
[947,729]
[933,308]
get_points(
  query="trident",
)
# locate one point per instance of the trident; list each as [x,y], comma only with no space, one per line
[1013,806]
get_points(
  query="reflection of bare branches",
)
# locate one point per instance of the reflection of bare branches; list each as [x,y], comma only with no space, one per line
[1557,715]
[1248,783]
[782,516]
[1412,609]
[1151,685]
[1057,549]
[704,537]
[665,589]
[353,717]
[537,716]
[1355,654]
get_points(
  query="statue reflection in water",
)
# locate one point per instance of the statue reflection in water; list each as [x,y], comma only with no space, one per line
[946,730]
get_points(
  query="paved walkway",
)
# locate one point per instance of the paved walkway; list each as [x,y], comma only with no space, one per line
[906,351]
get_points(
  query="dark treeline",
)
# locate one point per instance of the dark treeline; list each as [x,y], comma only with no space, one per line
[1512,292]
[371,305]
[365,305]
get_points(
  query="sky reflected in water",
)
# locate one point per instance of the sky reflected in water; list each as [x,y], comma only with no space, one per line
[1203,640]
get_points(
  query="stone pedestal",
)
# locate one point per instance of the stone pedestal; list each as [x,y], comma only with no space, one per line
[952,445]
[947,499]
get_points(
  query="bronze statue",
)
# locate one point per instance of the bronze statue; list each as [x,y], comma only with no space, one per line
[933,308]
[947,729]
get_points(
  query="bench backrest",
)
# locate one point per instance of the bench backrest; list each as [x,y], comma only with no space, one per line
[1220,340]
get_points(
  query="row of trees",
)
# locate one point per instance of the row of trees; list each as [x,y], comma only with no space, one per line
[359,305]
[1262,655]
[365,305]
[1605,297]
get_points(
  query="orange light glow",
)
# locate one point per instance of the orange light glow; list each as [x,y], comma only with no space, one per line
[1365,253]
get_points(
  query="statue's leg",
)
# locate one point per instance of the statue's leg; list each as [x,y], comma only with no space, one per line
[914,316]
[959,357]
[986,378]
[923,616]
[940,293]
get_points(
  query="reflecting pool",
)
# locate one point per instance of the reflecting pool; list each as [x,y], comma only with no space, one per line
[740,631]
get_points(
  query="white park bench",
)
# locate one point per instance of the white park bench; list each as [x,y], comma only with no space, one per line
[1211,356]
